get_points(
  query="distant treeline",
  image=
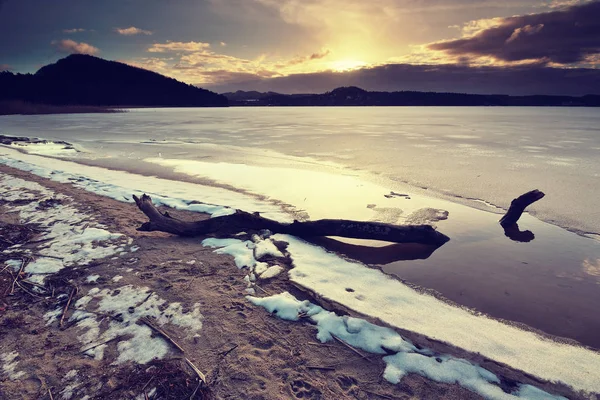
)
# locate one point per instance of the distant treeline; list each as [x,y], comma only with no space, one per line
[81,80]
[353,96]
[12,107]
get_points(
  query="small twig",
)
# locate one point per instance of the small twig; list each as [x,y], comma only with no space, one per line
[45,256]
[99,344]
[50,394]
[224,353]
[8,241]
[62,318]
[384,396]
[147,383]
[162,333]
[262,290]
[44,288]
[145,300]
[320,367]
[24,261]
[320,344]
[196,370]
[196,390]
[29,292]
[187,287]
[346,361]
[351,348]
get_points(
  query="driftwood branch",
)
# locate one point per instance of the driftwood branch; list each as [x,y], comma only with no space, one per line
[518,205]
[244,221]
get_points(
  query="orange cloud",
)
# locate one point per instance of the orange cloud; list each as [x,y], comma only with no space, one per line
[132,30]
[198,63]
[73,47]
[178,46]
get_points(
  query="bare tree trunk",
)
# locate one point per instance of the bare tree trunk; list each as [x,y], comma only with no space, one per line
[243,221]
[518,205]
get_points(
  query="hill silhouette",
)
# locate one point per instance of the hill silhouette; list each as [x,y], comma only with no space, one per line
[354,96]
[83,80]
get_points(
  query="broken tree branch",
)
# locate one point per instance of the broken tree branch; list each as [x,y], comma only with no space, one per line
[518,205]
[243,221]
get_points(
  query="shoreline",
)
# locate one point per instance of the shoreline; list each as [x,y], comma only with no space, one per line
[149,254]
[488,268]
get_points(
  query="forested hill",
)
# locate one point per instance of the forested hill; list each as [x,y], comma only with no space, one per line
[82,80]
[353,96]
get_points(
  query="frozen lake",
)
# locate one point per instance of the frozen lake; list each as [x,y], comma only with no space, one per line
[341,162]
[481,153]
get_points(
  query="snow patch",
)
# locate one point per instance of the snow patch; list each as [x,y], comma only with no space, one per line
[71,237]
[135,340]
[117,185]
[46,148]
[272,272]
[242,251]
[408,359]
[9,365]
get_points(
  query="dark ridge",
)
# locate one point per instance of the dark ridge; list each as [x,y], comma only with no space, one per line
[354,96]
[82,80]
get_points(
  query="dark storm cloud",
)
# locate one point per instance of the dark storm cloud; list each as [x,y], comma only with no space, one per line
[563,36]
[437,78]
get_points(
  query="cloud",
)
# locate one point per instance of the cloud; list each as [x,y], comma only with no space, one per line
[132,30]
[178,47]
[567,35]
[74,30]
[73,47]
[518,80]
[311,57]
[198,63]
[5,67]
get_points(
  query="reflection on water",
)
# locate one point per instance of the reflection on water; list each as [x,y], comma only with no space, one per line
[550,283]
[514,233]
[377,255]
[592,268]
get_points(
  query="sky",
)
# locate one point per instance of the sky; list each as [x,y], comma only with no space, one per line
[299,46]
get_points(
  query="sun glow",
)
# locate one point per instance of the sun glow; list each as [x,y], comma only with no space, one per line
[346,65]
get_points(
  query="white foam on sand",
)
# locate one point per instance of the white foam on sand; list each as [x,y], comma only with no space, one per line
[120,185]
[408,359]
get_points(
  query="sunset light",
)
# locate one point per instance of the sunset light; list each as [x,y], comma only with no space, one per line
[346,65]
[299,199]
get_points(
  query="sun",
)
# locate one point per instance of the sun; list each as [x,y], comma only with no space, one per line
[346,65]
